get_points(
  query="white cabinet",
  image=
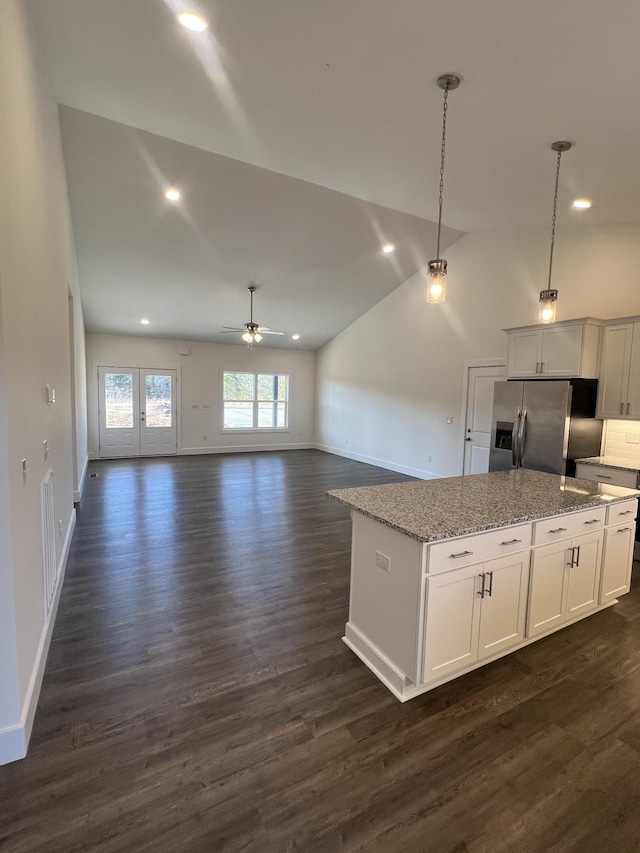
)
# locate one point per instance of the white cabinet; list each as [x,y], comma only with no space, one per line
[564,582]
[619,383]
[607,474]
[616,562]
[473,613]
[561,350]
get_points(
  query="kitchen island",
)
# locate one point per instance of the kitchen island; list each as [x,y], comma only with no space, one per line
[447,575]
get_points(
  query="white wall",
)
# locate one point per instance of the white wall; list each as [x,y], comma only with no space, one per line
[200,384]
[37,270]
[386,385]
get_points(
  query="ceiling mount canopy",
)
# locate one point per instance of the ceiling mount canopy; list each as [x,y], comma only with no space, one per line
[437,268]
[251,332]
[549,297]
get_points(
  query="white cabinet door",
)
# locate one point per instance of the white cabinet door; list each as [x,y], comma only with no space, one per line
[524,353]
[632,410]
[584,575]
[547,587]
[561,350]
[503,608]
[452,616]
[616,562]
[613,384]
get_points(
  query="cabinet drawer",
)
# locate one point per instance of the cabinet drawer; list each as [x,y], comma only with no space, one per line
[611,476]
[467,550]
[559,527]
[624,511]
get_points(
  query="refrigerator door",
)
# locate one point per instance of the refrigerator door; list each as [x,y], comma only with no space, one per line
[545,433]
[507,405]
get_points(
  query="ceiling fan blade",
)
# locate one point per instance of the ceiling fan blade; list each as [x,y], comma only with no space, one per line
[270,332]
[232,329]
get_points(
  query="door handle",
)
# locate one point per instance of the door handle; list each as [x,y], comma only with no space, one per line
[480,591]
[628,408]
[490,589]
[622,408]
[624,529]
[468,438]
[571,561]
[577,555]
[537,367]
[521,437]
[514,438]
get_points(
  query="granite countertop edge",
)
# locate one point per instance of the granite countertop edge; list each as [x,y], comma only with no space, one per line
[611,462]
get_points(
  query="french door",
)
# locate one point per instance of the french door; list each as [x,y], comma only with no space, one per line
[137,409]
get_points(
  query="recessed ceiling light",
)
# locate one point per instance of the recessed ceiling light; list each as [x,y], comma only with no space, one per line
[144,321]
[295,337]
[193,21]
[582,203]
[172,194]
[388,247]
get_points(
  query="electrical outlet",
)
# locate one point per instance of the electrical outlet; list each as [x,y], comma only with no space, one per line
[633,438]
[449,419]
[383,561]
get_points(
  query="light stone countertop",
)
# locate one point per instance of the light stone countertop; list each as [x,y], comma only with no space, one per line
[611,462]
[429,510]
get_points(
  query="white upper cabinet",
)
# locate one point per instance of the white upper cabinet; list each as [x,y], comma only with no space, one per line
[561,350]
[619,385]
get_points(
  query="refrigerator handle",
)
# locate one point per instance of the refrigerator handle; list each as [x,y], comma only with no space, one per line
[522,436]
[515,432]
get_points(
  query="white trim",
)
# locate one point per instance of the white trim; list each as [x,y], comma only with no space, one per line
[472,362]
[381,463]
[77,495]
[14,740]
[246,448]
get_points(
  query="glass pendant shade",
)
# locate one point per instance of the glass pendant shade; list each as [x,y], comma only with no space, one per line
[548,299]
[247,337]
[436,281]
[257,337]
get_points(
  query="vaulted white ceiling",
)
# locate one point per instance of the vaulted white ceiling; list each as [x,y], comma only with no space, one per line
[284,114]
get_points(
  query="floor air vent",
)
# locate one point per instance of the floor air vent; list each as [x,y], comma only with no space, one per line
[49,563]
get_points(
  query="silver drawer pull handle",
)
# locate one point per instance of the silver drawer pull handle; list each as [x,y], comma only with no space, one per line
[559,530]
[627,512]
[604,476]
[623,529]
[511,542]
[593,521]
[461,554]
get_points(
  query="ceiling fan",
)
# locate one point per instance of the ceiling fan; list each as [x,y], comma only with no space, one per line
[251,332]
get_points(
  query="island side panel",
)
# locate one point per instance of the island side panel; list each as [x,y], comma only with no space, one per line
[385,604]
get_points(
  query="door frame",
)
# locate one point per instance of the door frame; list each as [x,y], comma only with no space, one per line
[136,364]
[466,372]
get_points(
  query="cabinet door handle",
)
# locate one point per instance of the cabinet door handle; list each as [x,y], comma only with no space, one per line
[490,590]
[511,542]
[593,521]
[626,512]
[577,555]
[628,408]
[624,529]
[604,476]
[559,530]
[461,554]
[571,560]
[537,367]
[622,408]
[542,367]
[480,591]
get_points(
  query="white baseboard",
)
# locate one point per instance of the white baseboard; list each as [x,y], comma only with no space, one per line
[381,463]
[14,740]
[247,448]
[77,495]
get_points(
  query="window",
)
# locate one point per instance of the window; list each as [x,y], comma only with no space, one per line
[255,400]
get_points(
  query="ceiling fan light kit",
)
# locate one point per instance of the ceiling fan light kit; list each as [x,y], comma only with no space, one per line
[437,268]
[549,296]
[251,333]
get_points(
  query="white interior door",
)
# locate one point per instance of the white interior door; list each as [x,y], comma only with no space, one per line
[137,412]
[480,381]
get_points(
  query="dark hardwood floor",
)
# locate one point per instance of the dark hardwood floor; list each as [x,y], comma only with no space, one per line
[198,697]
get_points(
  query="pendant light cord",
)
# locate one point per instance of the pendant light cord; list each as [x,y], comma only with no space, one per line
[553,220]
[442,150]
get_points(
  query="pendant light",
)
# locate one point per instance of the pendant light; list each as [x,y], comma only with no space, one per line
[549,297]
[437,268]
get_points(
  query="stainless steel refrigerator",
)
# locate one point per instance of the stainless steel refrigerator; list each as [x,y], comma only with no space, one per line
[544,425]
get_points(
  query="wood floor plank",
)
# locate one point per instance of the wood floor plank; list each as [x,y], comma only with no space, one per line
[198,697]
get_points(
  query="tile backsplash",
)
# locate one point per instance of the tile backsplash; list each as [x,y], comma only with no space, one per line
[622,439]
